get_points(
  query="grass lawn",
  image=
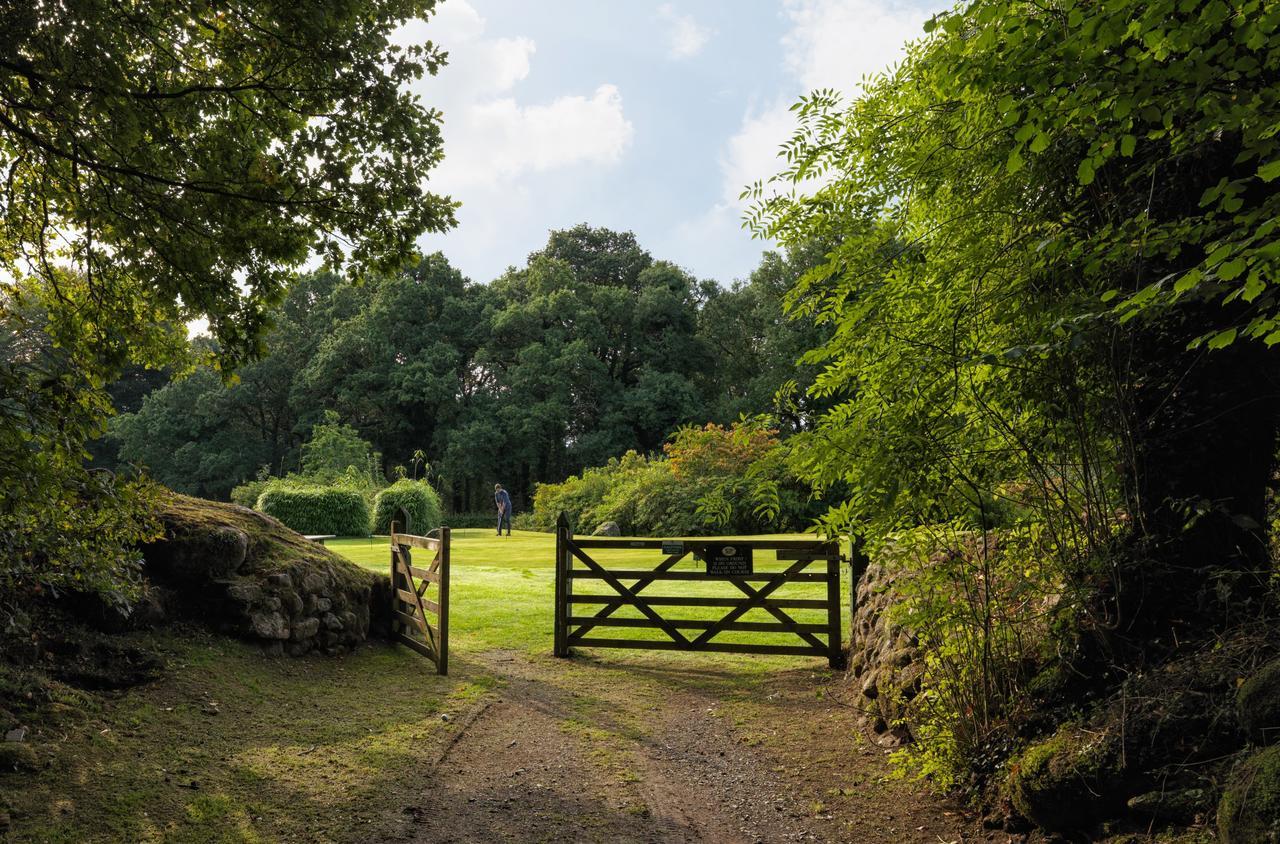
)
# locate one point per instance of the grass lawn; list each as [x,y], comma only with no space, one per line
[502,591]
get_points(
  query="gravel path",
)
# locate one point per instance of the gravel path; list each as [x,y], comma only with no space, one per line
[625,750]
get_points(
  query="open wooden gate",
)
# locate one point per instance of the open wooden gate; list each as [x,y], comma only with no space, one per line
[575,563]
[411,608]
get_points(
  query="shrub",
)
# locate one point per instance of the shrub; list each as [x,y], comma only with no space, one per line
[317,509]
[711,480]
[417,497]
[248,493]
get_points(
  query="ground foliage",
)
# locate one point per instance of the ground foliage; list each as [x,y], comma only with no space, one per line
[1051,291]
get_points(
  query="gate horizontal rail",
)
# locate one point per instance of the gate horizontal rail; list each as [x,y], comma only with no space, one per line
[575,564]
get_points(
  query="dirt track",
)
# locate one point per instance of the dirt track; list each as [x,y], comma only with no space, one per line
[626,749]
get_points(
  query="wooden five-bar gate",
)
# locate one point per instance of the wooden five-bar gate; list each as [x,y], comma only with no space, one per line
[411,608]
[728,561]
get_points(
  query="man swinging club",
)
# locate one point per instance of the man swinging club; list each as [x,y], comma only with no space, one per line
[503,501]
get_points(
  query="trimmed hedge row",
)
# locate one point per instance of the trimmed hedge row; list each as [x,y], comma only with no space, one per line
[317,509]
[417,497]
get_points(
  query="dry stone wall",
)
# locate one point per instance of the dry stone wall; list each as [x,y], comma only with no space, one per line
[244,573]
[885,663]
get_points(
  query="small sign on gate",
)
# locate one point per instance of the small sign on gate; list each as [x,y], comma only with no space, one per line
[729,559]
[670,547]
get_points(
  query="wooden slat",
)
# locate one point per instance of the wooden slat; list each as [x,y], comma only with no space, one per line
[413,600]
[423,574]
[421,648]
[410,619]
[418,624]
[692,544]
[835,647]
[697,624]
[670,601]
[828,552]
[649,574]
[714,647]
[412,541]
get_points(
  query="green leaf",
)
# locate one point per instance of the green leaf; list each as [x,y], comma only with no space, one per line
[1253,286]
[1231,269]
[1040,143]
[1188,281]
[1222,339]
[1269,171]
[1127,145]
[1085,172]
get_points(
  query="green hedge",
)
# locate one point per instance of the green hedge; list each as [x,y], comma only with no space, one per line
[248,493]
[417,497]
[317,509]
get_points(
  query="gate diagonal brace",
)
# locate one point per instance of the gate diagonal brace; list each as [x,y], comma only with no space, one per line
[640,585]
[780,614]
[755,598]
[630,597]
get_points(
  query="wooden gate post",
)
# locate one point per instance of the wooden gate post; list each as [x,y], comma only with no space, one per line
[835,647]
[561,647]
[442,664]
[396,624]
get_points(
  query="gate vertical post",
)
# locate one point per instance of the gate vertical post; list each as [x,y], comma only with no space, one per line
[442,661]
[395,584]
[835,648]
[561,647]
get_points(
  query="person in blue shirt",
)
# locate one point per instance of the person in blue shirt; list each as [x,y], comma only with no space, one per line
[503,501]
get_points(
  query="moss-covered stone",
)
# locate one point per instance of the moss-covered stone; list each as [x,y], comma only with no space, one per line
[1259,704]
[245,573]
[1249,811]
[1069,781]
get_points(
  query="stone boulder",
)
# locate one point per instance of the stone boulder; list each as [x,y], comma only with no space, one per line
[244,573]
[607,529]
[1249,811]
[1069,781]
[1258,703]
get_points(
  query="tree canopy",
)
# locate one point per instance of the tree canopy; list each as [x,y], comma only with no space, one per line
[590,350]
[164,162]
[190,166]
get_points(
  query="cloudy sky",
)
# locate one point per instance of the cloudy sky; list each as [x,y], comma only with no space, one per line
[648,116]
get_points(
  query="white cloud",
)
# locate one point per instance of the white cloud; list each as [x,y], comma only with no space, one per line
[830,44]
[685,36]
[491,138]
[499,139]
[752,154]
[835,43]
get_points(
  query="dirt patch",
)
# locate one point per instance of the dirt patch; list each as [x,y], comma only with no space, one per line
[609,751]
